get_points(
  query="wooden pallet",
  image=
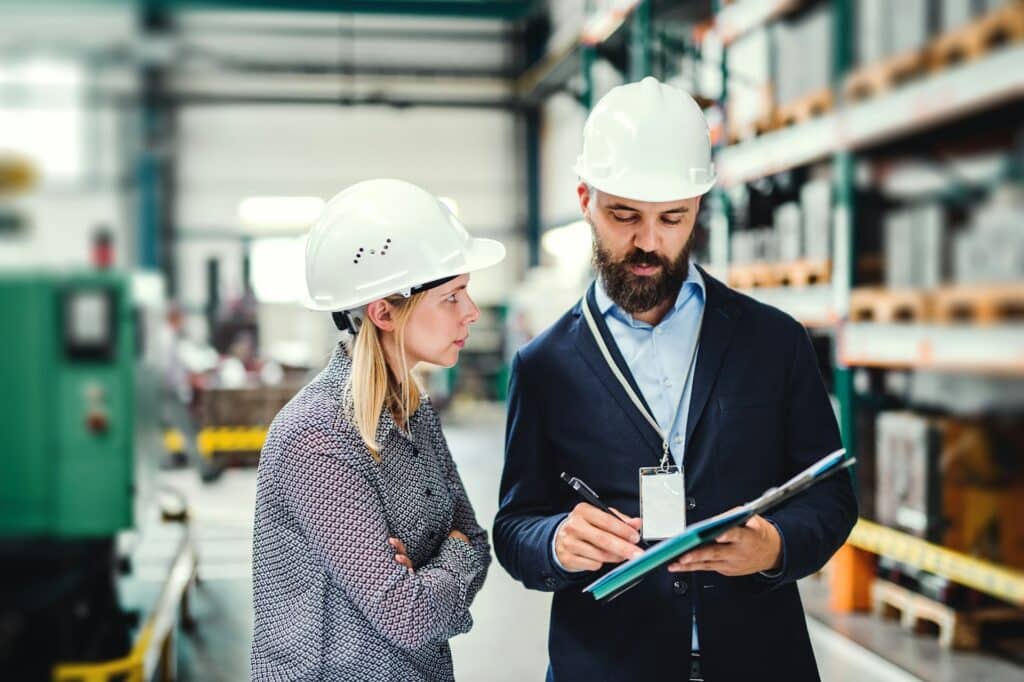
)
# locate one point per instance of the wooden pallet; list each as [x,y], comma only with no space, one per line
[754,275]
[980,304]
[875,79]
[804,109]
[804,272]
[875,304]
[978,38]
[957,629]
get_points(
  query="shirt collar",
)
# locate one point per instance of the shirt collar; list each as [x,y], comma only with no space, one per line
[692,285]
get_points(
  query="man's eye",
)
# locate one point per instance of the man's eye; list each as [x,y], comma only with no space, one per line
[671,222]
[628,218]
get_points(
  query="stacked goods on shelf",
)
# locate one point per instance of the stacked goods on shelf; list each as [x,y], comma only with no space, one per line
[750,92]
[916,247]
[816,205]
[789,232]
[952,482]
[907,494]
[890,40]
[803,86]
[991,249]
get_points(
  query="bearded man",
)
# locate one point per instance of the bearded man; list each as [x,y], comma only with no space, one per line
[673,397]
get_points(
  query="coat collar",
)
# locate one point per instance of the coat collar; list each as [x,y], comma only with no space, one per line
[720,316]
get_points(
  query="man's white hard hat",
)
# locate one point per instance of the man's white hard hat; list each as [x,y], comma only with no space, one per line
[647,141]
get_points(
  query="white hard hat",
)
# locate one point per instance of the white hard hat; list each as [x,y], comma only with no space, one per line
[382,237]
[647,141]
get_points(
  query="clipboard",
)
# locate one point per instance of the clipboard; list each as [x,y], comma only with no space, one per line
[628,574]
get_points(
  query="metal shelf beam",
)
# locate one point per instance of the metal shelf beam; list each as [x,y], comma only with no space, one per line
[984,576]
[954,93]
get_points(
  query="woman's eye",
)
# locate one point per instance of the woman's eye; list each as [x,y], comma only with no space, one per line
[452,298]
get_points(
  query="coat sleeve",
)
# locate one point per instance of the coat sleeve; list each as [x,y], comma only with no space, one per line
[527,516]
[814,524]
[464,518]
[342,518]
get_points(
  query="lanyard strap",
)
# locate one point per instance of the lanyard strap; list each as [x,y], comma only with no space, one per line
[603,347]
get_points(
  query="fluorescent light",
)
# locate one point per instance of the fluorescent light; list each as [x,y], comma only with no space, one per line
[280,213]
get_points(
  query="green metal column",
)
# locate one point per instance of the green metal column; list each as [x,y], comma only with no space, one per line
[587,56]
[640,41]
[844,258]
[721,217]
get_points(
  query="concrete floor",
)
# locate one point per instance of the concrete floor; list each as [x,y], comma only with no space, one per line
[508,642]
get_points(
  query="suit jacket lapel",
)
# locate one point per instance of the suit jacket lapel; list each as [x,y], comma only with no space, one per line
[715,335]
[595,360]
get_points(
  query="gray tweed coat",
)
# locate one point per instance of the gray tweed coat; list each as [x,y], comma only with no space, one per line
[330,601]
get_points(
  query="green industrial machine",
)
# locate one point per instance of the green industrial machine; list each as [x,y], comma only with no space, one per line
[66,370]
[70,372]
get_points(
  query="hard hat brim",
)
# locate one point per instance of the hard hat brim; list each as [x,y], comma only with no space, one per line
[480,254]
[639,187]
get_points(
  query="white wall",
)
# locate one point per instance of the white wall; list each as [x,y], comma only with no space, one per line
[228,153]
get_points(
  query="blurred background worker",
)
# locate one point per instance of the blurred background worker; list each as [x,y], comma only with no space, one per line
[169,158]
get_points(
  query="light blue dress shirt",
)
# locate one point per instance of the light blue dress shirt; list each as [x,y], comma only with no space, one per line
[659,359]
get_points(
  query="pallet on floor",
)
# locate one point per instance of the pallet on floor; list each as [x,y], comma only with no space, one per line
[957,629]
[979,304]
[804,109]
[876,79]
[877,304]
[977,38]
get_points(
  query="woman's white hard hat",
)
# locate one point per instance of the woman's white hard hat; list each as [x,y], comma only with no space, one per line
[647,141]
[383,237]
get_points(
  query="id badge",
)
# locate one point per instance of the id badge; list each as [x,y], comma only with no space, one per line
[662,502]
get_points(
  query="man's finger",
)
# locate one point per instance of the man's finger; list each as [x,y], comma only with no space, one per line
[608,523]
[633,521]
[579,548]
[608,542]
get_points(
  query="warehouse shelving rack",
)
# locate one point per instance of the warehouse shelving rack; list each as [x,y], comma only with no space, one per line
[997,349]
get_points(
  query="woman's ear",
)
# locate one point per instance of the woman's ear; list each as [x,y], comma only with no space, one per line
[380,313]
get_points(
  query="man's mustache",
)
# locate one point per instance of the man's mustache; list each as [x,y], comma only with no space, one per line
[644,258]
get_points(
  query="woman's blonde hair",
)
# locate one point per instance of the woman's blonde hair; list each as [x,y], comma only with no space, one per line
[372,387]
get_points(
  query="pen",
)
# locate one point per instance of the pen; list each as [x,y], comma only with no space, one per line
[587,493]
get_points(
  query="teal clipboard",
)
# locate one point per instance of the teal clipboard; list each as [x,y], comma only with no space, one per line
[625,576]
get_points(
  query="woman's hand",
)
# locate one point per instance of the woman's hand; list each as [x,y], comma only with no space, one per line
[459,535]
[401,553]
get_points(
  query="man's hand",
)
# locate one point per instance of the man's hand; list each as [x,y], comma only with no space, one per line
[750,548]
[590,537]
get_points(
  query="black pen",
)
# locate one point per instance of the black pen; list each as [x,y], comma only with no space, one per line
[587,493]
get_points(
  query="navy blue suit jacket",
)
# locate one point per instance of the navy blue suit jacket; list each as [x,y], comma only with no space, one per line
[759,413]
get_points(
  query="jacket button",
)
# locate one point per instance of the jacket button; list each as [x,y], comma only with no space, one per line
[549,583]
[680,586]
[691,503]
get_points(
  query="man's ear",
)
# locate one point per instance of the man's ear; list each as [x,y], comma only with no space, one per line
[380,313]
[583,193]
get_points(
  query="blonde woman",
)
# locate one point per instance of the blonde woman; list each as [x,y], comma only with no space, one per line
[367,553]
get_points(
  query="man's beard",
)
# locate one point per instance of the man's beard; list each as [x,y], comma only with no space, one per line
[639,293]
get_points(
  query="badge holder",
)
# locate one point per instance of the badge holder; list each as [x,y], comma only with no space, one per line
[662,501]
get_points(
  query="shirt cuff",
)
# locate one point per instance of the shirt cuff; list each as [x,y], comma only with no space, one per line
[554,554]
[782,555]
